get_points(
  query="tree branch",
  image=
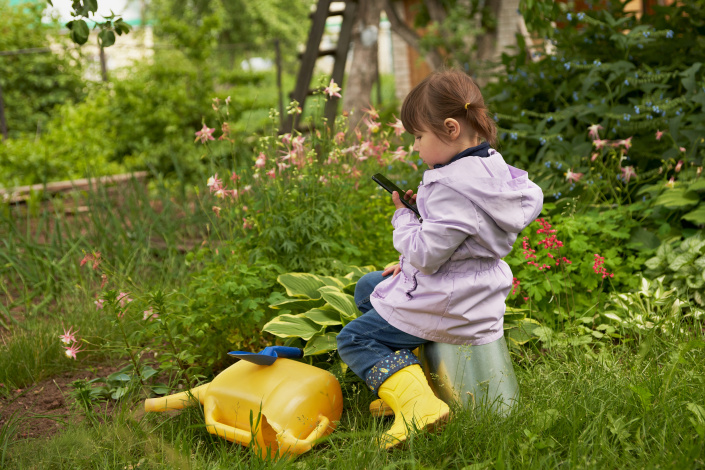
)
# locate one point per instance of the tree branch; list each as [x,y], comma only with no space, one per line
[433,58]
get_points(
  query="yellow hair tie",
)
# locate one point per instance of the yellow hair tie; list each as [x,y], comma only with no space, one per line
[466,105]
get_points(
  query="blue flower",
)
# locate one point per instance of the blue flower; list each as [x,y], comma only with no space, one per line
[581,15]
[575,96]
[569,16]
[649,116]
[403,182]
[513,136]
[646,34]
[389,167]
[560,138]
[542,140]
[496,118]
[626,82]
[627,117]
[549,119]
[640,46]
[557,195]
[522,112]
[572,187]
[669,34]
[567,65]
[419,162]
[559,165]
[636,109]
[597,63]
[548,164]
[541,75]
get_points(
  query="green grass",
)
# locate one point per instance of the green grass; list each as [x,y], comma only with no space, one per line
[634,404]
[620,407]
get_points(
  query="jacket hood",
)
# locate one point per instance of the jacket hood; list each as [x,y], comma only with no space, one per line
[502,191]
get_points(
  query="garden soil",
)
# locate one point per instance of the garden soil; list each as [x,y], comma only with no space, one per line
[45,408]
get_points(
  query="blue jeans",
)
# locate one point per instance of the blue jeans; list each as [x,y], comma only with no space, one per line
[369,339]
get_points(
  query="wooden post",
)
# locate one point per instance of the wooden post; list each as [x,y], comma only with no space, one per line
[278,60]
[3,124]
[103,66]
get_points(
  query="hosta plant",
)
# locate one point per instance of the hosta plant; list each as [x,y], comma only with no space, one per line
[318,307]
[681,264]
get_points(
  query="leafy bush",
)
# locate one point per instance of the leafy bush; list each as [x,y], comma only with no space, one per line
[562,267]
[33,84]
[630,76]
[681,265]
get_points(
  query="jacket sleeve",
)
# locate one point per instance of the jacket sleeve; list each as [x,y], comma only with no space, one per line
[450,219]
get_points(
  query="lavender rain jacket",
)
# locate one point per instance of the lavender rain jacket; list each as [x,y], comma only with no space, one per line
[453,285]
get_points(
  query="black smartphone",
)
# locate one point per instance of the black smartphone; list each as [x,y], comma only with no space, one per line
[383,181]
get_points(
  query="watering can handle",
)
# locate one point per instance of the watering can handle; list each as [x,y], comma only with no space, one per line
[291,445]
[283,351]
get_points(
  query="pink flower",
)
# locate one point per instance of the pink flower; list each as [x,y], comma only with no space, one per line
[659,134]
[397,126]
[628,173]
[286,139]
[261,160]
[149,315]
[682,149]
[372,125]
[94,257]
[272,173]
[371,112]
[671,183]
[72,350]
[593,131]
[69,336]
[205,134]
[220,194]
[626,143]
[246,224]
[573,177]
[214,183]
[123,298]
[339,137]
[333,89]
[399,153]
[599,268]
[234,177]
[225,127]
[679,165]
[594,156]
[216,209]
[99,304]
[598,143]
[282,166]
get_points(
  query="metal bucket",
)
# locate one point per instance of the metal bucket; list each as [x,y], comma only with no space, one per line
[471,375]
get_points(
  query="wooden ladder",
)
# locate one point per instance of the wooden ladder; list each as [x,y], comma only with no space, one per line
[313,52]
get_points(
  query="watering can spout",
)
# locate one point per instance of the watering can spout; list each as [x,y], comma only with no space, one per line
[176,401]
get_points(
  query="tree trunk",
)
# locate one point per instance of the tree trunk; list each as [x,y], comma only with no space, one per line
[357,94]
[433,58]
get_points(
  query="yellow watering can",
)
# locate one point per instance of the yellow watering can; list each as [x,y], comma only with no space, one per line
[280,409]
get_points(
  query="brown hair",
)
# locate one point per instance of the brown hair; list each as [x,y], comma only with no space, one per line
[447,94]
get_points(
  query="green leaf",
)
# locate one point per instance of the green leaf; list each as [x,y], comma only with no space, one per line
[326,316]
[106,38]
[699,185]
[119,376]
[644,239]
[292,326]
[303,285]
[698,411]
[678,198]
[79,31]
[298,304]
[343,303]
[321,344]
[696,216]
[524,332]
[148,372]
[681,260]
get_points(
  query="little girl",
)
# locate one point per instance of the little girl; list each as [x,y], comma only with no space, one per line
[450,284]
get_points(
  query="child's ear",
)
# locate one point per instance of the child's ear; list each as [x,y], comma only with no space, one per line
[452,128]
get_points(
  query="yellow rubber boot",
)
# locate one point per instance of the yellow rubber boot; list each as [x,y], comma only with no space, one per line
[415,406]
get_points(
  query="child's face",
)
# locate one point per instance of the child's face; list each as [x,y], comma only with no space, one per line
[433,150]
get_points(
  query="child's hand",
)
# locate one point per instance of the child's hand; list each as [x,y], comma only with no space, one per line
[395,268]
[409,196]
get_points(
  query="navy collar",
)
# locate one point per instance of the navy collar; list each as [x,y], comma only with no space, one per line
[482,151]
